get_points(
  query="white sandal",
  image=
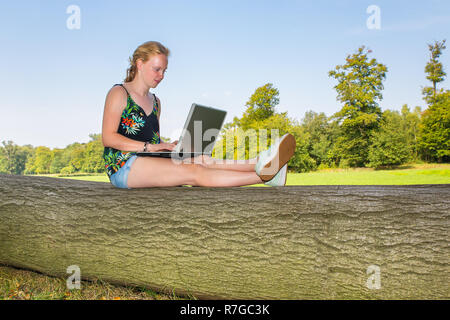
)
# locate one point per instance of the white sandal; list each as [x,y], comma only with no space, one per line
[271,161]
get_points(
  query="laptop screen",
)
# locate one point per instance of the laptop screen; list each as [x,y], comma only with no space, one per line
[201,129]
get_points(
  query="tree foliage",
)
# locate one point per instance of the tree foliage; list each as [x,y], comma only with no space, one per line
[13,157]
[389,145]
[260,106]
[76,157]
[434,135]
[320,134]
[360,82]
[434,70]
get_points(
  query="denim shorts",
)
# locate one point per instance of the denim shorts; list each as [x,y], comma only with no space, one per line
[120,178]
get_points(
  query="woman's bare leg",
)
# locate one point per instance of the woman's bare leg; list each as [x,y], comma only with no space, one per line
[160,172]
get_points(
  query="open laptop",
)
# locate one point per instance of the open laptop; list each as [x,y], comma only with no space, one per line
[199,134]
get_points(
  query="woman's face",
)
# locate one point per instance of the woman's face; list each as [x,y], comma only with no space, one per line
[152,71]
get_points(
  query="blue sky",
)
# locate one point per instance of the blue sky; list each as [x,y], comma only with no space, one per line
[54,80]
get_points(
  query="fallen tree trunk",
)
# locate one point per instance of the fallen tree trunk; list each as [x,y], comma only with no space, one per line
[299,242]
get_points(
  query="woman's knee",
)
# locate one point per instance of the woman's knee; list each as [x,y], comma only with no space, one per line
[198,173]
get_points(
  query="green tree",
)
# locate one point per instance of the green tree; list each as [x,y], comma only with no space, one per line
[434,135]
[360,82]
[319,133]
[93,155]
[13,157]
[390,143]
[58,161]
[3,161]
[410,126]
[434,70]
[260,106]
[8,155]
[434,130]
[302,160]
[25,152]
[74,155]
[40,161]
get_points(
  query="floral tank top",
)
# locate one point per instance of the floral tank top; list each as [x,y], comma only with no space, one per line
[136,125]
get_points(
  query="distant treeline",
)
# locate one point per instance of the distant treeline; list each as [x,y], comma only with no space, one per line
[76,157]
[358,135]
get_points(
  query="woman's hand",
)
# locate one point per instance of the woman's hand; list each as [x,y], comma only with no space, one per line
[164,146]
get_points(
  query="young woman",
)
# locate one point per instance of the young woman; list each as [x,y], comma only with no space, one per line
[131,124]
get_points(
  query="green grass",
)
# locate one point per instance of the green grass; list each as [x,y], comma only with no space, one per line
[100,178]
[17,284]
[439,175]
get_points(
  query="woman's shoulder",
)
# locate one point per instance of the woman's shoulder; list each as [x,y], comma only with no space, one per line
[116,97]
[119,90]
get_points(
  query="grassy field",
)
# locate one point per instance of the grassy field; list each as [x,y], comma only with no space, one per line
[21,284]
[16,284]
[408,174]
[412,174]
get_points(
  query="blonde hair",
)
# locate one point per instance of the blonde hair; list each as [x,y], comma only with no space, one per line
[144,52]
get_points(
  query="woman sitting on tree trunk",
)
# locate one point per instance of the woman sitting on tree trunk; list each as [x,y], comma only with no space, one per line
[131,124]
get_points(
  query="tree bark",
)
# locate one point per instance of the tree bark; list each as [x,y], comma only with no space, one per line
[296,242]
